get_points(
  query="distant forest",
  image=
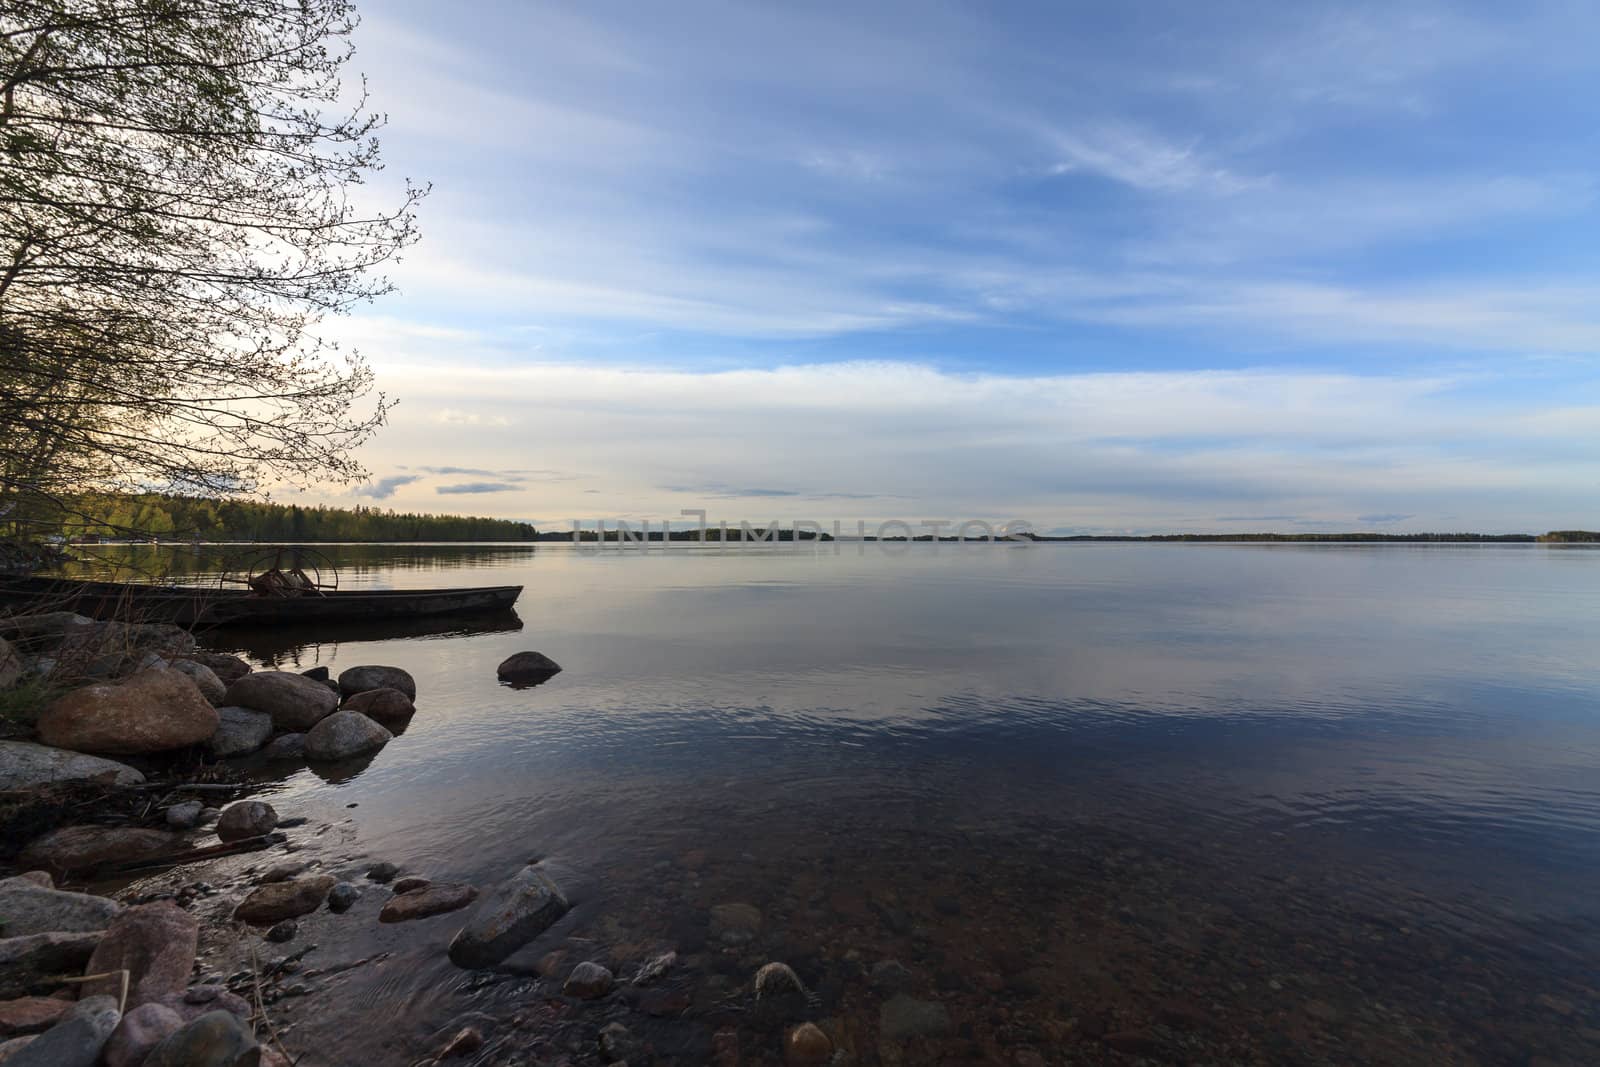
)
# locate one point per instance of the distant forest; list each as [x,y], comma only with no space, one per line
[183,518]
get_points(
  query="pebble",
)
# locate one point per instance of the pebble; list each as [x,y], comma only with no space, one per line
[247,818]
[283,931]
[588,981]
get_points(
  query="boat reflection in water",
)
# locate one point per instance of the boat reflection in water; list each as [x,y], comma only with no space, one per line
[285,647]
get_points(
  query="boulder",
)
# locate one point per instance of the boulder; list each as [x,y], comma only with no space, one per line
[528,667]
[345,734]
[247,818]
[29,908]
[155,944]
[77,1040]
[205,679]
[508,918]
[240,731]
[381,705]
[23,764]
[272,903]
[286,746]
[12,666]
[153,711]
[295,702]
[141,1030]
[29,1015]
[228,668]
[431,900]
[362,679]
[32,963]
[81,848]
[215,1039]
[588,981]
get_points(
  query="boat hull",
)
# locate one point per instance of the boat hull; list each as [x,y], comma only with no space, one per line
[206,606]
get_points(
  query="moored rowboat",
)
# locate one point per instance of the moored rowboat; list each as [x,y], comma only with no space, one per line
[212,606]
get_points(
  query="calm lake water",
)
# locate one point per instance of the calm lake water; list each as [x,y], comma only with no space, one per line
[1195,803]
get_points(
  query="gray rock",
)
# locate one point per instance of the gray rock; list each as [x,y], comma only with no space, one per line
[508,918]
[14,1046]
[141,1030]
[905,1017]
[588,981]
[527,667]
[77,1040]
[185,815]
[247,818]
[345,734]
[228,668]
[241,731]
[29,908]
[24,764]
[205,679]
[294,701]
[286,746]
[215,1039]
[31,963]
[316,674]
[360,679]
[342,897]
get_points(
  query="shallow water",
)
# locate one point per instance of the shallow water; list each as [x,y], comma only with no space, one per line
[1195,803]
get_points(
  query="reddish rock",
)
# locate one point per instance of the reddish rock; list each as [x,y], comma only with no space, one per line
[80,848]
[284,900]
[295,702]
[381,705]
[155,944]
[153,711]
[411,883]
[29,1015]
[807,1046]
[433,900]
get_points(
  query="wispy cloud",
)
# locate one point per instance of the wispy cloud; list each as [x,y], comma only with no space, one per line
[477,487]
[384,488]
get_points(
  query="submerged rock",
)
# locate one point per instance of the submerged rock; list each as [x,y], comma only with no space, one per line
[155,944]
[382,705]
[527,667]
[247,818]
[153,711]
[29,908]
[411,883]
[283,931]
[240,731]
[383,872]
[294,701]
[24,764]
[76,1041]
[80,848]
[777,980]
[508,918]
[429,900]
[905,1017]
[342,897]
[365,678]
[345,734]
[284,900]
[735,923]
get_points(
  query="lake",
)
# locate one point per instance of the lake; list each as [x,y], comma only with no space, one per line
[1196,803]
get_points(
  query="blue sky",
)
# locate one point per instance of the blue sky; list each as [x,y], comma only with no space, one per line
[1104,267]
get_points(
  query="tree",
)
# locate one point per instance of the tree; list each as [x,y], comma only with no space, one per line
[182,199]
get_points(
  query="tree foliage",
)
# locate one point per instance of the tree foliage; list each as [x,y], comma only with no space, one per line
[182,199]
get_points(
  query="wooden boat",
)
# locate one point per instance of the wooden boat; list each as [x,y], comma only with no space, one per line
[214,606]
